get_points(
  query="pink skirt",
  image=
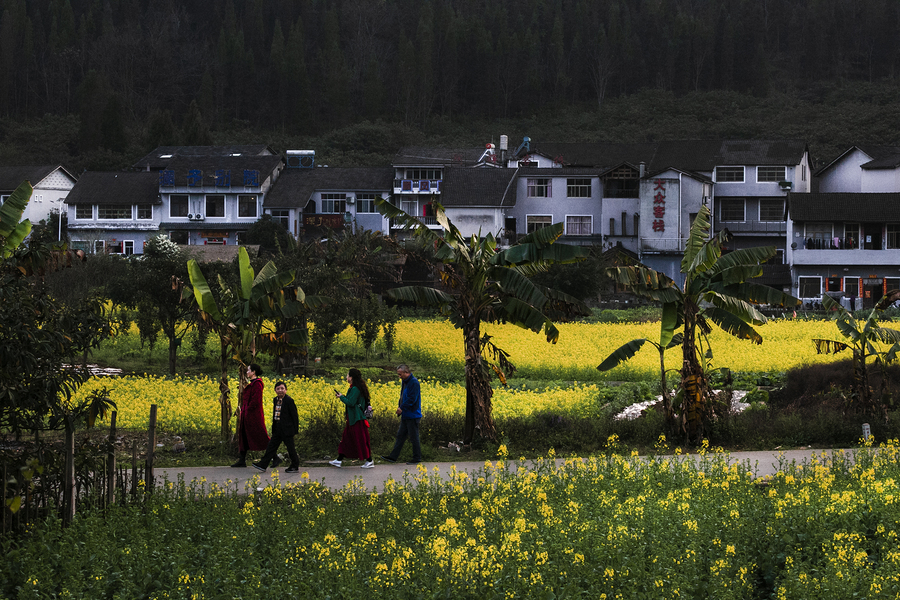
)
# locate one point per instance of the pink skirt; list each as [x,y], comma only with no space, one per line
[355,441]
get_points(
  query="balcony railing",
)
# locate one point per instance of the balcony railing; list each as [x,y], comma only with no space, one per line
[431,222]
[417,186]
[663,244]
[759,227]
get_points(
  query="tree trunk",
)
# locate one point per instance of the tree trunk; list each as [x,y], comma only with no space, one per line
[478,387]
[667,402]
[693,381]
[224,401]
[173,355]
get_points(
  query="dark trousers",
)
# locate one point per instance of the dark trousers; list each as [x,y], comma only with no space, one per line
[272,449]
[409,428]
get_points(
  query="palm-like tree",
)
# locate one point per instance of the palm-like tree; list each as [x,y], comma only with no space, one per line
[485,284]
[861,339]
[246,316]
[12,230]
[716,291]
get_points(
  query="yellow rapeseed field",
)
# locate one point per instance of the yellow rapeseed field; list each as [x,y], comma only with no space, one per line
[192,404]
[583,346]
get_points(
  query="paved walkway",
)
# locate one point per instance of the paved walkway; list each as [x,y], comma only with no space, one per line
[763,463]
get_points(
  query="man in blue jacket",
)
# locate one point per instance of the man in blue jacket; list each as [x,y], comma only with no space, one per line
[410,412]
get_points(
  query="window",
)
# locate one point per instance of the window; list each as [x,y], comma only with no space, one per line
[129,248]
[215,206]
[114,211]
[851,235]
[771,209]
[178,205]
[539,188]
[535,222]
[621,183]
[772,174]
[851,287]
[833,284]
[893,236]
[144,211]
[179,237]
[282,216]
[802,172]
[80,245]
[84,211]
[247,206]
[729,174]
[819,236]
[410,207]
[578,188]
[335,203]
[365,203]
[891,283]
[810,287]
[578,225]
[99,245]
[115,247]
[731,209]
[423,174]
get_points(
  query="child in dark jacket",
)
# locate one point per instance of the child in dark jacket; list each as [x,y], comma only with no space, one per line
[285,425]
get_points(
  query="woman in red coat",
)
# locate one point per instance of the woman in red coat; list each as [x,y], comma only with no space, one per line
[252,434]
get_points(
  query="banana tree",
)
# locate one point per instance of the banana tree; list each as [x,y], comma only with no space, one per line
[12,230]
[245,317]
[716,290]
[861,339]
[629,349]
[485,284]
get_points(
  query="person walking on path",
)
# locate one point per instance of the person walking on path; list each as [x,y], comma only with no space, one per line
[355,441]
[252,434]
[285,425]
[410,412]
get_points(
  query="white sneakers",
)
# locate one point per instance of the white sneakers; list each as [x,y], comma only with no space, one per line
[369,464]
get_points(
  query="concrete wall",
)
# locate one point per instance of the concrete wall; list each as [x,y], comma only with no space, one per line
[845,176]
[559,206]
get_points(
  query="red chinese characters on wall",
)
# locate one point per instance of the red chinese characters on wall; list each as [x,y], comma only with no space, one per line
[659,205]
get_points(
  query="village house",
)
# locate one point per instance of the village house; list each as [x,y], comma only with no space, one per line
[51,185]
[844,238]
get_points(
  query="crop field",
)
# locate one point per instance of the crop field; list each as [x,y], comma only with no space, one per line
[582,346]
[192,404]
[607,527]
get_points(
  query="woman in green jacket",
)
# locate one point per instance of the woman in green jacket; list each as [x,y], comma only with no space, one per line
[355,441]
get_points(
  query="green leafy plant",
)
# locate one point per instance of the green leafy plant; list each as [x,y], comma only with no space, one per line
[716,290]
[245,317]
[484,283]
[861,337]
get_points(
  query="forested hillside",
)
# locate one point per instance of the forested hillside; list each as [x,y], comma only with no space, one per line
[96,82]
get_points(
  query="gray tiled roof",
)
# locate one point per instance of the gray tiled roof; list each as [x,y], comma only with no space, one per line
[478,187]
[688,155]
[294,187]
[856,206]
[595,154]
[877,152]
[419,155]
[558,172]
[103,187]
[156,162]
[12,177]
[206,254]
[704,155]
